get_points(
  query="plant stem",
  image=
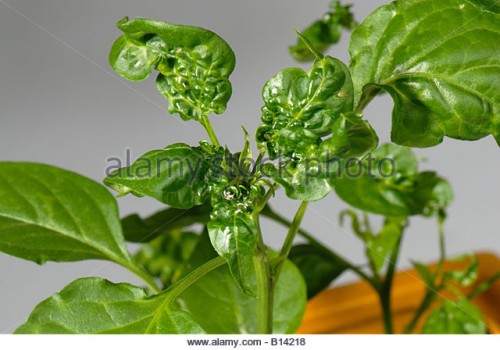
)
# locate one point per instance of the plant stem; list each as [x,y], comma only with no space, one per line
[210,131]
[290,238]
[264,283]
[194,276]
[426,302]
[385,289]
[271,214]
[431,291]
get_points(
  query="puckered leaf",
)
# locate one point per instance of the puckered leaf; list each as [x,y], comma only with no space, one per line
[96,306]
[47,213]
[455,317]
[220,307]
[439,61]
[165,256]
[388,183]
[176,176]
[302,107]
[233,232]
[194,64]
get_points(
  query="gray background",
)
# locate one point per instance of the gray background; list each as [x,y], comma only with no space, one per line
[61,104]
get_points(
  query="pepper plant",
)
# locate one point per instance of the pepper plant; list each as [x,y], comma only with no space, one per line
[204,258]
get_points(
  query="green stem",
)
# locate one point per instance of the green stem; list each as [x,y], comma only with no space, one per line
[442,247]
[264,284]
[290,238]
[386,288]
[484,286]
[210,131]
[429,297]
[271,214]
[185,282]
[431,291]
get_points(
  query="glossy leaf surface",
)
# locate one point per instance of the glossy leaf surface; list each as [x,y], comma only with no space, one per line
[47,213]
[302,107]
[388,183]
[96,306]
[194,64]
[439,61]
[176,176]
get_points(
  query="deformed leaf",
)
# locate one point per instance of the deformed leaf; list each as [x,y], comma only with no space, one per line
[388,183]
[233,235]
[96,306]
[47,213]
[439,61]
[194,64]
[324,32]
[455,317]
[302,107]
[176,176]
[165,256]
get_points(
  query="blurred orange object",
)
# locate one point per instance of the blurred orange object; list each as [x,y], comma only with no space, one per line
[355,309]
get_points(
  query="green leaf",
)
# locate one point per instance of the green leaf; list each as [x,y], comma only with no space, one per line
[388,183]
[302,107]
[352,137]
[47,213]
[142,230]
[194,64]
[233,235]
[324,32]
[438,62]
[379,247]
[177,176]
[318,268]
[165,256]
[455,317]
[467,276]
[94,305]
[220,307]
[425,274]
[302,181]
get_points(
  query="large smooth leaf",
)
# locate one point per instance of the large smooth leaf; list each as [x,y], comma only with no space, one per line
[176,176]
[194,64]
[439,61]
[318,268]
[220,307]
[142,230]
[47,213]
[94,305]
[455,317]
